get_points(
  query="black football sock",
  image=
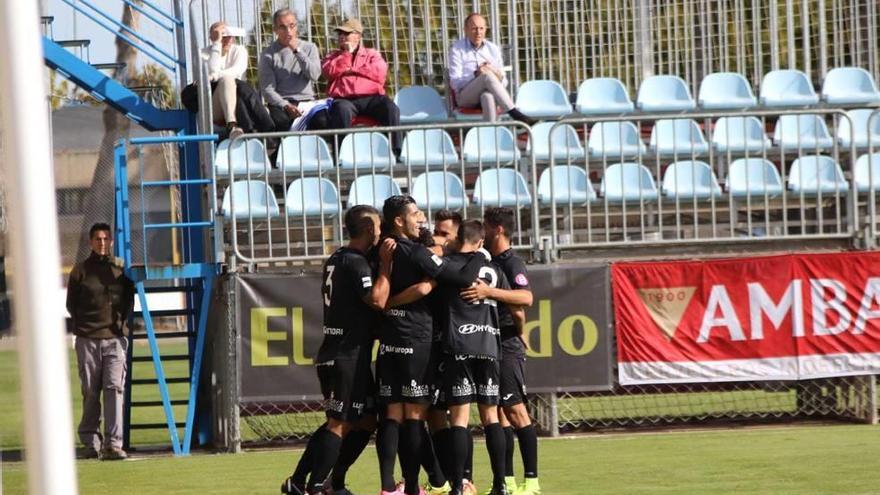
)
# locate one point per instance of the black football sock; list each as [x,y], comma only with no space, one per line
[410,452]
[495,445]
[386,448]
[459,443]
[326,448]
[352,445]
[528,448]
[469,458]
[508,450]
[430,461]
[304,466]
[442,448]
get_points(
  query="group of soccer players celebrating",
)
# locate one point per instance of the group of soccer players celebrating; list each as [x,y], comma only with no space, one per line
[447,310]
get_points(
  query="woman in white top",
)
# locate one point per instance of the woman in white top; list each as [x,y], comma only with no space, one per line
[227,62]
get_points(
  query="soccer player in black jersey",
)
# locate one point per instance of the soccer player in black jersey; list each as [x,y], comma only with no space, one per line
[403,367]
[471,345]
[351,297]
[498,225]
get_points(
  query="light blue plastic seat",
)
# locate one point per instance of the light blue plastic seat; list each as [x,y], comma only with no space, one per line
[812,174]
[248,155]
[664,94]
[726,90]
[753,177]
[252,198]
[542,99]
[569,183]
[365,150]
[501,187]
[848,86]
[678,136]
[303,153]
[490,146]
[858,121]
[312,196]
[428,148]
[628,182]
[740,134]
[372,190]
[603,95]
[437,189]
[689,179]
[615,140]
[787,87]
[566,145]
[420,104]
[867,173]
[804,131]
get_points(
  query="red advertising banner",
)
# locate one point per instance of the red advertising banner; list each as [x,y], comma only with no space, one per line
[784,317]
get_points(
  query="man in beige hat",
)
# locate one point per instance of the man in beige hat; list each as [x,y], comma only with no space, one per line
[357,80]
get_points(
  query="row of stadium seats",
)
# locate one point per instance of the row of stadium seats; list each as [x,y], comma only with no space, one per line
[544,99]
[497,145]
[621,182]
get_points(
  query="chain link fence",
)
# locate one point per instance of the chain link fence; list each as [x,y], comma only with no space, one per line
[631,407]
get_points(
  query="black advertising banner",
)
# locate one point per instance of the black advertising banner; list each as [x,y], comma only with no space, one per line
[568,330]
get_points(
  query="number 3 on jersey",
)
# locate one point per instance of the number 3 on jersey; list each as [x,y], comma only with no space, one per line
[328,285]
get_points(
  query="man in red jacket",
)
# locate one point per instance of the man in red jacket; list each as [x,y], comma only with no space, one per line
[357,80]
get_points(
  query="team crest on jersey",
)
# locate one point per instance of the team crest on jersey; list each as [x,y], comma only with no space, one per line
[521,279]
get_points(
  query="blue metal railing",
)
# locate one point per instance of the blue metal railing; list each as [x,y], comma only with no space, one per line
[160,56]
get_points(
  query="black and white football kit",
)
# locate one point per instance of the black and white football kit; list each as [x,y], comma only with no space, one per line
[471,339]
[513,352]
[343,361]
[404,367]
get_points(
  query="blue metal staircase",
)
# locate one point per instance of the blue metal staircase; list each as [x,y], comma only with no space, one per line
[193,277]
[194,273]
[107,90]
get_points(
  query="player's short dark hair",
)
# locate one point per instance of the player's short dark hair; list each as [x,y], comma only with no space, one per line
[443,214]
[426,237]
[99,227]
[500,216]
[470,231]
[395,206]
[357,220]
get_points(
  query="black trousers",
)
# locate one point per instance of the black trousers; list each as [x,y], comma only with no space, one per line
[282,120]
[378,107]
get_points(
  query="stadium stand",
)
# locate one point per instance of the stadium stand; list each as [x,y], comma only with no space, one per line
[545,100]
[726,90]
[245,199]
[304,154]
[690,179]
[569,185]
[664,94]
[420,104]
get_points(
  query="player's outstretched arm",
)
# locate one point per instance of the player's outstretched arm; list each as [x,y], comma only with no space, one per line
[511,297]
[412,293]
[460,276]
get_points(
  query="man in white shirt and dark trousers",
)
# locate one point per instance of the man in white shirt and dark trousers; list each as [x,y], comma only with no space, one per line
[476,73]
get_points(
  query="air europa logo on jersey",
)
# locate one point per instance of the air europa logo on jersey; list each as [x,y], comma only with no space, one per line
[666,305]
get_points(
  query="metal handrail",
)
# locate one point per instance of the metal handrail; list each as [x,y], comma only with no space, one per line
[527,160]
[176,63]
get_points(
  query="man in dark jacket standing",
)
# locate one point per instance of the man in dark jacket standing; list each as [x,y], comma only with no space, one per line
[100,299]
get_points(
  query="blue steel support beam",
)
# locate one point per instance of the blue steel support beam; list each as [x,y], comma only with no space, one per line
[113,93]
